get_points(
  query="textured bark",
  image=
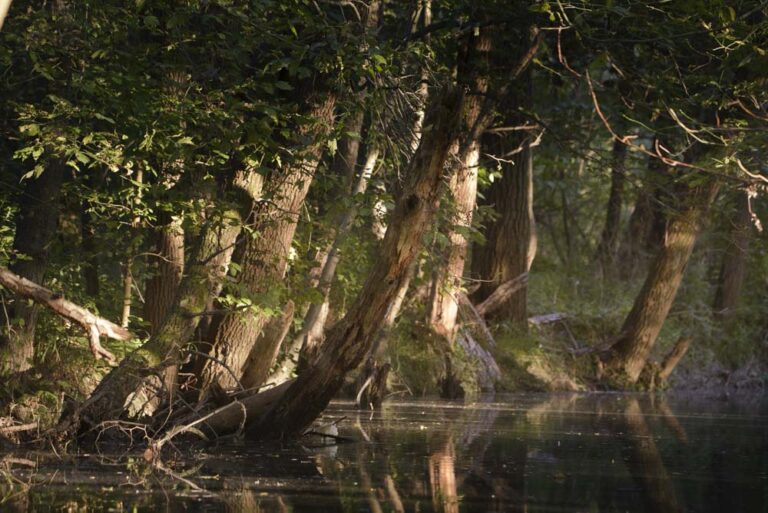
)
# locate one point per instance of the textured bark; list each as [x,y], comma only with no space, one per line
[351,338]
[606,251]
[309,339]
[256,368]
[36,225]
[168,256]
[510,239]
[734,266]
[263,256]
[473,70]
[644,322]
[136,385]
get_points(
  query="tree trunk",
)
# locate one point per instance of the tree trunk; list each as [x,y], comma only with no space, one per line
[734,265]
[310,337]
[510,240]
[645,320]
[36,225]
[256,368]
[606,251]
[262,256]
[89,247]
[136,385]
[130,254]
[161,288]
[351,338]
[473,71]
[647,221]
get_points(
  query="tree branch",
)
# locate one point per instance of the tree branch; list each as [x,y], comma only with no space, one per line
[93,325]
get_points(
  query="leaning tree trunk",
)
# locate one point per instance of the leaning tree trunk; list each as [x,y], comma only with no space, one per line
[644,322]
[510,239]
[136,385]
[345,165]
[36,225]
[473,70]
[262,256]
[351,338]
[606,251]
[734,265]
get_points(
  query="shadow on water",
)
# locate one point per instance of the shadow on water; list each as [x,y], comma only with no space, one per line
[523,453]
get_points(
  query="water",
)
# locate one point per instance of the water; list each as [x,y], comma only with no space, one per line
[562,453]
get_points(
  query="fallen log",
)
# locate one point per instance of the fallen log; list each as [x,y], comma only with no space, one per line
[93,325]
[502,293]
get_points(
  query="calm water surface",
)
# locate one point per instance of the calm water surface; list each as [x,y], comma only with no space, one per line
[564,453]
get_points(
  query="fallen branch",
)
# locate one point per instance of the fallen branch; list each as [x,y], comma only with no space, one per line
[18,428]
[674,357]
[502,293]
[93,325]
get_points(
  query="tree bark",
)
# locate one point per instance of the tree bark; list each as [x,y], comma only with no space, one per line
[510,240]
[36,225]
[161,288]
[256,368]
[136,385]
[647,222]
[606,251]
[734,265]
[351,338]
[263,256]
[644,322]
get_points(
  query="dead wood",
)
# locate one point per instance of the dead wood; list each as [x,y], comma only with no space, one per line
[503,292]
[93,325]
[674,357]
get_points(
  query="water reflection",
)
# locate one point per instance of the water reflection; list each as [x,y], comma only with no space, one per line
[600,453]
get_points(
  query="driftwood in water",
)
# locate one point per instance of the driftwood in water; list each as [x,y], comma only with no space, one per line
[94,325]
[502,293]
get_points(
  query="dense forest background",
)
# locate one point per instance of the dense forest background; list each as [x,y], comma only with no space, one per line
[208,203]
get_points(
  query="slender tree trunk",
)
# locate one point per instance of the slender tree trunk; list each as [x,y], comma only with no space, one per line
[351,338]
[128,265]
[263,256]
[645,320]
[168,256]
[89,247]
[310,337]
[473,67]
[734,266]
[36,225]
[606,251]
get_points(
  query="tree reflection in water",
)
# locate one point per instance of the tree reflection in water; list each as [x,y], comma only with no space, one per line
[570,453]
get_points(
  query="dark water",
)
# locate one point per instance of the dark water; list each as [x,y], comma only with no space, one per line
[583,453]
